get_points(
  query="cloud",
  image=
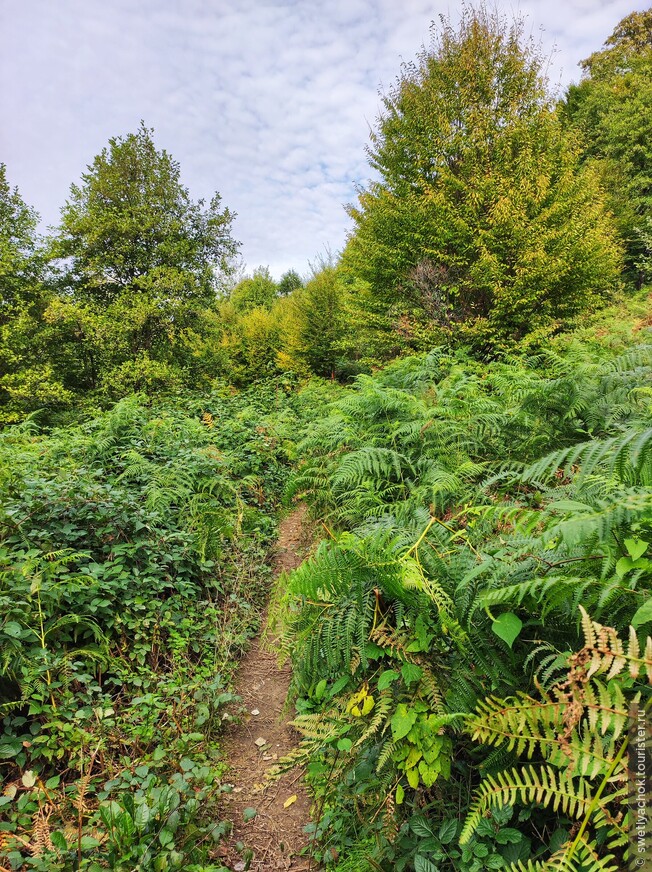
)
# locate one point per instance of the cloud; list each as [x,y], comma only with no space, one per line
[267,102]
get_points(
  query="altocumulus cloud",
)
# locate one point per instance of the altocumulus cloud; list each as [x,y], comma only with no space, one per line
[269,103]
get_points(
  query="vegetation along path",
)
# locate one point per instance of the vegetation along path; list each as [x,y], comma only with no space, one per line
[275,833]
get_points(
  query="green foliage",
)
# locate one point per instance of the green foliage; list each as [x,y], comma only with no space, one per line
[483,224]
[256,292]
[290,281]
[131,226]
[469,642]
[610,108]
[20,264]
[304,332]
[483,508]
[132,565]
[129,295]
[579,731]
[27,381]
[320,310]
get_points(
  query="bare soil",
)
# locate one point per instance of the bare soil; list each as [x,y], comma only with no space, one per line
[275,834]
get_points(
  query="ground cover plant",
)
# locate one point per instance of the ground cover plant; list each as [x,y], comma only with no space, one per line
[132,562]
[467,644]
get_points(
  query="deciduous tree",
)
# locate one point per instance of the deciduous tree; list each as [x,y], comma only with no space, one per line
[27,378]
[482,216]
[612,109]
[254,291]
[132,226]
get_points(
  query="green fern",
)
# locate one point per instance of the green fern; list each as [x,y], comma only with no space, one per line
[579,730]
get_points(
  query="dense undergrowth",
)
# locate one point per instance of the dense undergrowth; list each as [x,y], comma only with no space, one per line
[462,650]
[464,667]
[132,568]
[471,641]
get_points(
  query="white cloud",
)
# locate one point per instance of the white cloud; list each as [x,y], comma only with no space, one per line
[268,102]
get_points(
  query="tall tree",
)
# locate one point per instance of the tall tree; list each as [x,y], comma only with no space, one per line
[254,291]
[27,378]
[289,281]
[482,217]
[320,322]
[20,260]
[612,110]
[131,224]
[139,266]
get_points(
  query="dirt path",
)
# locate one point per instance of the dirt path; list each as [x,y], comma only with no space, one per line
[275,834]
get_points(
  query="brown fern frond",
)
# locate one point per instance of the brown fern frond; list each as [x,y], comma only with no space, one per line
[390,824]
[41,841]
[389,638]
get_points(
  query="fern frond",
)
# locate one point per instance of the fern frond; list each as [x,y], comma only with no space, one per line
[585,859]
[541,785]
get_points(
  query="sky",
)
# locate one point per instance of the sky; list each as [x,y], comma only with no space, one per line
[269,103]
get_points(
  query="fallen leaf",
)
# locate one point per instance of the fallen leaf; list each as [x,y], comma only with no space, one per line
[291,799]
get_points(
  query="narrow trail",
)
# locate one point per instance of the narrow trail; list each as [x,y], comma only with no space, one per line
[275,834]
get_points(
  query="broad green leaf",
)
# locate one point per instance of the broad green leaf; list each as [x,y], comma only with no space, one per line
[642,615]
[447,831]
[507,627]
[558,838]
[635,548]
[508,836]
[422,864]
[412,776]
[420,826]
[339,685]
[568,506]
[386,678]
[623,566]
[402,721]
[413,757]
[428,773]
[142,815]
[10,748]
[13,629]
[165,837]
[59,840]
[320,688]
[411,673]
